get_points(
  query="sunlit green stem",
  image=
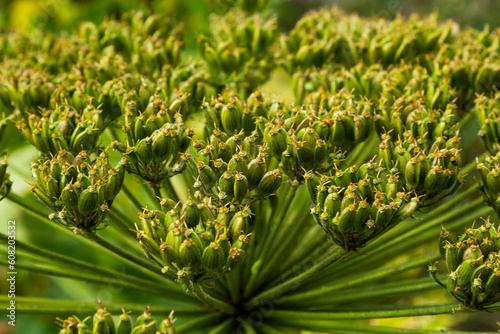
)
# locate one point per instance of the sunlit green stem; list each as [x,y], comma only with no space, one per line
[411,311]
[293,236]
[247,326]
[206,298]
[313,247]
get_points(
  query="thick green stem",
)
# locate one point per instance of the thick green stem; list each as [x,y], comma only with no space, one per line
[280,289]
[466,120]
[146,189]
[142,264]
[88,241]
[256,239]
[31,208]
[424,232]
[364,151]
[472,165]
[233,284]
[120,225]
[263,254]
[314,242]
[200,323]
[206,298]
[446,207]
[294,235]
[247,327]
[223,328]
[122,221]
[412,311]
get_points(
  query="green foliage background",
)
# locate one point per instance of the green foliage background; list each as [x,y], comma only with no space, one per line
[60,15]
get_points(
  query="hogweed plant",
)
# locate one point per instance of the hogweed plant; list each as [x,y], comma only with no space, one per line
[238,212]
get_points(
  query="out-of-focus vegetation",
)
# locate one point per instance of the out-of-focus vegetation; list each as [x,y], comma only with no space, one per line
[65,14]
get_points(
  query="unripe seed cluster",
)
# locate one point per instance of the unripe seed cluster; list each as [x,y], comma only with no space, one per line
[355,205]
[79,189]
[195,241]
[473,263]
[430,172]
[103,323]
